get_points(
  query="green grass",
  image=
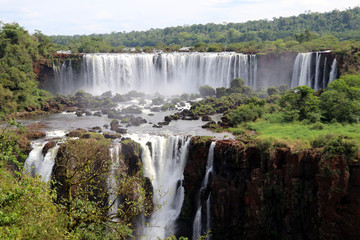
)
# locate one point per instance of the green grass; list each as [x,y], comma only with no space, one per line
[272,126]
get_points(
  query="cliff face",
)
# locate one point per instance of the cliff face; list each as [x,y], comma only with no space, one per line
[277,194]
[275,69]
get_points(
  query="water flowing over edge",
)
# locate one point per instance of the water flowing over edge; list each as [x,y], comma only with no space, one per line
[311,69]
[167,73]
[164,159]
[197,225]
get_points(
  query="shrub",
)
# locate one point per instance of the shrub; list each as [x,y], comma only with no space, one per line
[220,92]
[245,113]
[272,91]
[206,91]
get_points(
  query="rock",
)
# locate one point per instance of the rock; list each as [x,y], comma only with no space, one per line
[106,126]
[35,134]
[98,114]
[206,118]
[121,130]
[155,109]
[76,133]
[88,113]
[151,114]
[114,124]
[108,135]
[79,113]
[210,124]
[48,146]
[168,118]
[156,126]
[163,123]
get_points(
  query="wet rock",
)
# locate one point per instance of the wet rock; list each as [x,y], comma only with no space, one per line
[121,130]
[210,124]
[151,114]
[108,135]
[88,113]
[168,118]
[155,109]
[97,114]
[163,123]
[79,113]
[114,124]
[48,146]
[106,126]
[206,118]
[156,126]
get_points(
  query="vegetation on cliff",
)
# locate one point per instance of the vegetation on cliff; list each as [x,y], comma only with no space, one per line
[18,53]
[296,114]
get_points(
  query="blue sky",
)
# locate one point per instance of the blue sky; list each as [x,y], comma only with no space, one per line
[69,17]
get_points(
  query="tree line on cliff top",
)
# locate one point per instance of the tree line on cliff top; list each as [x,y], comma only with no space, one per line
[343,25]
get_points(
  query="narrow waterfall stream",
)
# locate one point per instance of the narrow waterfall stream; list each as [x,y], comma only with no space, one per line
[197,225]
[164,159]
[113,178]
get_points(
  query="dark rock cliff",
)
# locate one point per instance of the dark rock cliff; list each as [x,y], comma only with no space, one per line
[257,193]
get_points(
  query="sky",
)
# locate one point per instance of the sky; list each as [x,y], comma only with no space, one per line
[70,17]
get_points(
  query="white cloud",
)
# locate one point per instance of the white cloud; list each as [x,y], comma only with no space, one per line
[103,15]
[89,16]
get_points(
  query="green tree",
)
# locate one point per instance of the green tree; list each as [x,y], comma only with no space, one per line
[300,104]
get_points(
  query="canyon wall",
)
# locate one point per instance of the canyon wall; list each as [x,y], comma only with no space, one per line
[263,193]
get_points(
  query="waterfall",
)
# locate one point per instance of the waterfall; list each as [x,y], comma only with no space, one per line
[197,227]
[38,164]
[324,75]
[112,180]
[302,70]
[317,71]
[312,73]
[333,72]
[164,159]
[165,73]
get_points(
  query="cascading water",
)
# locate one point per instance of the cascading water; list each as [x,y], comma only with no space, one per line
[38,164]
[333,73]
[313,72]
[164,160]
[164,73]
[197,225]
[112,180]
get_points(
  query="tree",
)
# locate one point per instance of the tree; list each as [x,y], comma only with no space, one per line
[206,91]
[300,104]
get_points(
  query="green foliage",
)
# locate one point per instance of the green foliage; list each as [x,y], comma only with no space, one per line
[246,113]
[272,91]
[237,83]
[220,92]
[206,91]
[341,100]
[158,101]
[337,145]
[250,36]
[300,104]
[18,85]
